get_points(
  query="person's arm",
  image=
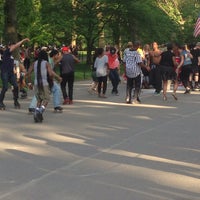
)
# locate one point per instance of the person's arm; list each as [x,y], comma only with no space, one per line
[181,63]
[18,44]
[144,66]
[28,75]
[76,59]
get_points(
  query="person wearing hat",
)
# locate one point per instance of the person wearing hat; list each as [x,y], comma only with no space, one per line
[67,69]
[114,66]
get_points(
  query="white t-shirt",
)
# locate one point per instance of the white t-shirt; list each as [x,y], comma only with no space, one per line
[100,65]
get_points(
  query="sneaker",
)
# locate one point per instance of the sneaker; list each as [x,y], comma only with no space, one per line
[58,108]
[156,93]
[2,106]
[70,102]
[137,101]
[187,91]
[42,109]
[103,96]
[196,88]
[16,104]
[31,110]
[66,101]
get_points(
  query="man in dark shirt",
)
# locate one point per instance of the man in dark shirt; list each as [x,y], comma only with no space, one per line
[7,73]
[67,62]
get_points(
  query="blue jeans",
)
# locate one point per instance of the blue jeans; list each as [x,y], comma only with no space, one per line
[114,78]
[8,77]
[56,96]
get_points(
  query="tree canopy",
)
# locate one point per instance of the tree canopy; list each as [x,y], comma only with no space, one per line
[96,23]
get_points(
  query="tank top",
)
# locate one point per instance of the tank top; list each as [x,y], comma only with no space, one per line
[43,72]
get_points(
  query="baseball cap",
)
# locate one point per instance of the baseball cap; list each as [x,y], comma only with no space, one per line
[65,48]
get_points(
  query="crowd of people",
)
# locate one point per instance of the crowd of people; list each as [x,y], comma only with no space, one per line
[18,72]
[144,67]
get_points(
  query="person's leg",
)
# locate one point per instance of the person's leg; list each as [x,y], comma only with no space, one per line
[13,81]
[70,86]
[116,80]
[158,79]
[104,85]
[137,81]
[129,89]
[4,78]
[56,91]
[99,85]
[33,104]
[165,89]
[63,88]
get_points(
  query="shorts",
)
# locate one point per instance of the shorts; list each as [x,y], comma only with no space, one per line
[42,95]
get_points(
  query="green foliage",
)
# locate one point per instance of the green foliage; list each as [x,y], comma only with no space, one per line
[95,23]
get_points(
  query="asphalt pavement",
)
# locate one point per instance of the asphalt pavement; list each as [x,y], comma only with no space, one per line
[102,149]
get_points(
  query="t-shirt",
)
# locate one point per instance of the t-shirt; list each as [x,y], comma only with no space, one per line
[67,64]
[113,61]
[167,59]
[187,59]
[7,62]
[101,66]
[132,59]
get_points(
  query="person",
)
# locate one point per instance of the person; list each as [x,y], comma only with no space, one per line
[167,64]
[186,65]
[195,51]
[101,66]
[67,69]
[146,60]
[154,75]
[94,84]
[20,72]
[128,47]
[55,87]
[133,63]
[176,50]
[114,67]
[42,70]
[27,58]
[7,73]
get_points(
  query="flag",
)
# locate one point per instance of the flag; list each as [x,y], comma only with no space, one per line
[197,27]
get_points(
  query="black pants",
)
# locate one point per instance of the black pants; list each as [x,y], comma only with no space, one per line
[8,77]
[155,78]
[136,83]
[67,79]
[185,73]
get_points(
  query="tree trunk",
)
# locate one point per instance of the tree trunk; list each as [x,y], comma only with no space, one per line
[10,27]
[10,21]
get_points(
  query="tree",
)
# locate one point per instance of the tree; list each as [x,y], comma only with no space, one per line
[10,29]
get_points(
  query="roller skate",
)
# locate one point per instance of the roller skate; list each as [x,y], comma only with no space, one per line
[2,106]
[31,110]
[58,109]
[38,115]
